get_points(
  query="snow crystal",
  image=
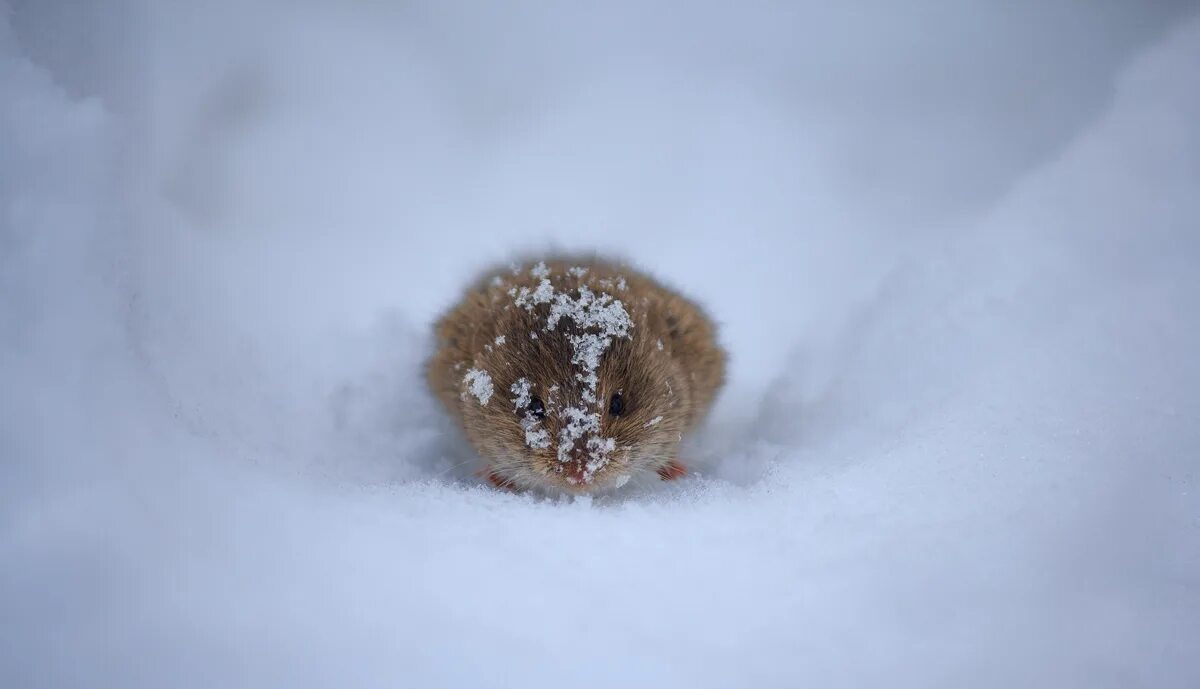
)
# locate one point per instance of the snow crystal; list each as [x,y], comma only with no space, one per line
[540,271]
[653,421]
[520,390]
[587,352]
[500,339]
[535,436]
[600,447]
[598,451]
[591,310]
[579,422]
[578,271]
[659,344]
[527,299]
[479,384]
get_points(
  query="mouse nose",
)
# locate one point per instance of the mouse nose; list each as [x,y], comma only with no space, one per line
[575,472]
[576,467]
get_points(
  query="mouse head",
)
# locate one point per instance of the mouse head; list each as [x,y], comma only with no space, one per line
[578,394]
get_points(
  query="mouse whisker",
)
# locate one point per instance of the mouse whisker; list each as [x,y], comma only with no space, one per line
[454,466]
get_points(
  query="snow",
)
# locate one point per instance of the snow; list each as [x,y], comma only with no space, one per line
[952,249]
[581,423]
[600,313]
[527,298]
[479,384]
[520,390]
[535,436]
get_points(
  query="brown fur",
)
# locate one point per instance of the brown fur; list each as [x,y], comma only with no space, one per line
[677,382]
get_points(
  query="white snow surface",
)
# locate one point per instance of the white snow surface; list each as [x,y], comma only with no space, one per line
[953,249]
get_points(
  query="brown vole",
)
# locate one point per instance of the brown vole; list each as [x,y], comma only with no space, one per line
[575,374]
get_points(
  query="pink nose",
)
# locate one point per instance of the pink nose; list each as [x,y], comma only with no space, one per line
[575,468]
[575,471]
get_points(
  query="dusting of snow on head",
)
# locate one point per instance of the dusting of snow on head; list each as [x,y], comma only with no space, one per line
[579,423]
[597,319]
[527,299]
[652,422]
[605,318]
[499,340]
[591,311]
[479,384]
[598,451]
[535,436]
[520,391]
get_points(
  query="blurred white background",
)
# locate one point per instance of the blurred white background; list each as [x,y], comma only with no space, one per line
[952,246]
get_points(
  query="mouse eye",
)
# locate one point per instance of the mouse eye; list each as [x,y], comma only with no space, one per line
[537,408]
[616,405]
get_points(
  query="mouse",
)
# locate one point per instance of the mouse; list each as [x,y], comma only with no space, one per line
[575,374]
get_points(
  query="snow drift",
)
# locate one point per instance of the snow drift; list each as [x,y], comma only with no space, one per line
[956,277]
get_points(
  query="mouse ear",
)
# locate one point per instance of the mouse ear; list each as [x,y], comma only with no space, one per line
[682,319]
[692,338]
[673,326]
